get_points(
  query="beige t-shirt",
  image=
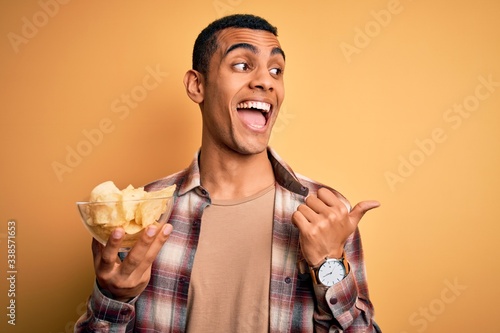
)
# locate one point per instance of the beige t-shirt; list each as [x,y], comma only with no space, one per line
[229,288]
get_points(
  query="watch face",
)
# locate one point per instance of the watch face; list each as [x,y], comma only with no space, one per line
[331,272]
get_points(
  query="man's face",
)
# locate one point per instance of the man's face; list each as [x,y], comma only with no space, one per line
[243,90]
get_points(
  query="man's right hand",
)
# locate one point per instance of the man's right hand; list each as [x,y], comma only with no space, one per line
[128,278]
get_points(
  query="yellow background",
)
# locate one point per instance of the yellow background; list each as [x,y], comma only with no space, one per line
[364,94]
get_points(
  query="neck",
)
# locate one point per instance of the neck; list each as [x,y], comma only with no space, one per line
[229,175]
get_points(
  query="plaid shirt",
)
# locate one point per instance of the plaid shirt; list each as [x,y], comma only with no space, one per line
[296,305]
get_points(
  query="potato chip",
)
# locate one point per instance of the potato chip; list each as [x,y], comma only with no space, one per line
[132,228]
[106,213]
[104,192]
[149,211]
[130,201]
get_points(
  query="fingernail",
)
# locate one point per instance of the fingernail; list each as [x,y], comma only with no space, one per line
[166,230]
[151,231]
[117,233]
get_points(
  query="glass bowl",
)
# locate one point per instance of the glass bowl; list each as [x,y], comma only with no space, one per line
[101,218]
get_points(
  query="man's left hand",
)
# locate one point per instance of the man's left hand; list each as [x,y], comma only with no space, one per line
[325,224]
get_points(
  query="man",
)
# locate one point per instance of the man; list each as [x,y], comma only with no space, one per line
[252,247]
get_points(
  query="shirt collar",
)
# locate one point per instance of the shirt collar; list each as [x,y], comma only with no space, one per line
[283,174]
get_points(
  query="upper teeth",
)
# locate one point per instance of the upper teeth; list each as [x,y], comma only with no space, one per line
[256,105]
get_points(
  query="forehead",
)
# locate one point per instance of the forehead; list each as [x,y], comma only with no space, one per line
[261,39]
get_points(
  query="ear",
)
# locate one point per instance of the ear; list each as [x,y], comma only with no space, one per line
[193,81]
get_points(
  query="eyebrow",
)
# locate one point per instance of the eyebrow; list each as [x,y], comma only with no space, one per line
[253,49]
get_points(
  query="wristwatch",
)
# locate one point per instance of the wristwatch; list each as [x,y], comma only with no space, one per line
[330,271]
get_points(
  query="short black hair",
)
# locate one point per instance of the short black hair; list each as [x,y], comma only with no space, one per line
[206,42]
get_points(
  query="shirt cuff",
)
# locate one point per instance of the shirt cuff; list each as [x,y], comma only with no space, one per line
[110,310]
[339,299]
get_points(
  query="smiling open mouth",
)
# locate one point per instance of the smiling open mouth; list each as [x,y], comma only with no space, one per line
[254,113]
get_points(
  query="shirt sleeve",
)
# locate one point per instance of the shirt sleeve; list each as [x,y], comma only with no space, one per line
[346,306]
[105,314]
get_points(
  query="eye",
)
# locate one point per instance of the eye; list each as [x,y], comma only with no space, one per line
[276,71]
[243,67]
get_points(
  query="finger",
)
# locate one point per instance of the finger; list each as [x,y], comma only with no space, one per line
[157,244]
[328,204]
[316,204]
[96,251]
[152,252]
[361,208]
[138,252]
[299,220]
[329,198]
[309,213]
[109,253]
[96,247]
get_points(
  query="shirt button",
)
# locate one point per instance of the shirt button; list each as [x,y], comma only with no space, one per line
[333,300]
[303,188]
[288,280]
[204,192]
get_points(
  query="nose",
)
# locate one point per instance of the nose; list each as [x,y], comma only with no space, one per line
[262,79]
